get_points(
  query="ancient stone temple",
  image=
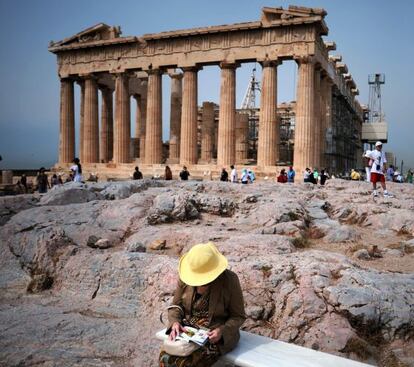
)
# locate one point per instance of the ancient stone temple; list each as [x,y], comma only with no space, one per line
[111,69]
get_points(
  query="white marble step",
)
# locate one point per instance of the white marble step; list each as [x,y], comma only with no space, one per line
[259,351]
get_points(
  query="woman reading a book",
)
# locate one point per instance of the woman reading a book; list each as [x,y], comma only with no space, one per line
[208,296]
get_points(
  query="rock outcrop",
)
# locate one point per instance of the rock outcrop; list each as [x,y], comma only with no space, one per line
[86,270]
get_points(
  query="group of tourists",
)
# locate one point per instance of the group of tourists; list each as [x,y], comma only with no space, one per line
[247,175]
[42,179]
[184,174]
[314,176]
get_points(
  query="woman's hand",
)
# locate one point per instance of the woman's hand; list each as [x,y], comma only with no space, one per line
[215,335]
[176,329]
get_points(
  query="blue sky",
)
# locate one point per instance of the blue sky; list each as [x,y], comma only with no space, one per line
[373,36]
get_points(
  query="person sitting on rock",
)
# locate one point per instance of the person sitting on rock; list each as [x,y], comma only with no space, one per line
[137,174]
[282,178]
[168,173]
[224,175]
[208,295]
[184,174]
[355,176]
[244,177]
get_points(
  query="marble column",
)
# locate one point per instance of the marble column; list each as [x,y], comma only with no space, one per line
[143,129]
[67,122]
[175,117]
[267,150]
[317,139]
[153,137]
[122,137]
[227,116]
[326,89]
[81,84]
[188,140]
[242,136]
[138,124]
[107,126]
[303,153]
[91,122]
[207,132]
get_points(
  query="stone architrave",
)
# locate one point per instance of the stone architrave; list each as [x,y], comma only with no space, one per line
[67,122]
[153,136]
[91,122]
[107,126]
[227,116]
[188,141]
[317,138]
[303,153]
[207,132]
[122,133]
[267,150]
[175,117]
[242,136]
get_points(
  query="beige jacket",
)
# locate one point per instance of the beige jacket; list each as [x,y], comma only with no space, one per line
[226,307]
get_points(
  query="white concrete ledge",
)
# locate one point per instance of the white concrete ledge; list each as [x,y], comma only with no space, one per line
[259,351]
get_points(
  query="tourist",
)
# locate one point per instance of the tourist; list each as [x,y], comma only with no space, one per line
[69,178]
[184,174]
[137,174]
[23,181]
[410,176]
[60,181]
[244,177]
[315,176]
[205,285]
[252,176]
[282,178]
[306,175]
[76,170]
[54,180]
[390,173]
[42,181]
[168,173]
[397,177]
[323,177]
[378,169]
[291,175]
[355,176]
[233,174]
[224,175]
[368,164]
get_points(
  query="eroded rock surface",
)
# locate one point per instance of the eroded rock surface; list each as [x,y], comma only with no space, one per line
[65,301]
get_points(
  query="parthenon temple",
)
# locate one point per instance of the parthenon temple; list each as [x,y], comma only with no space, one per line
[325,119]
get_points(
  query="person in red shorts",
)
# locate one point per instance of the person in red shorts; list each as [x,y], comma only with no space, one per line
[378,169]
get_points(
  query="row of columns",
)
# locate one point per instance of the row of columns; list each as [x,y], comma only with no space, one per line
[312,118]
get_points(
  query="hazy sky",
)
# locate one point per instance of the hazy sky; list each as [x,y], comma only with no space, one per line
[372,35]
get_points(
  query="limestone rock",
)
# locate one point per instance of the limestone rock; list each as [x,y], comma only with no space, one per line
[362,254]
[158,245]
[11,205]
[69,193]
[136,247]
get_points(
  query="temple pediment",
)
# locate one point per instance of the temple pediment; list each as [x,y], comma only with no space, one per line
[294,14]
[98,32]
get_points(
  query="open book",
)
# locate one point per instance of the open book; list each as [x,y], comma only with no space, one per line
[198,336]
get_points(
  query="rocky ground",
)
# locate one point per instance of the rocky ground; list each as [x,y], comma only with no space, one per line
[86,270]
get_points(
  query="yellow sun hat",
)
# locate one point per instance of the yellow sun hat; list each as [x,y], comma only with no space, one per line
[201,265]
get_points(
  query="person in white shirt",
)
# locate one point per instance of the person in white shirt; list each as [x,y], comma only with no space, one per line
[368,164]
[233,174]
[378,169]
[77,170]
